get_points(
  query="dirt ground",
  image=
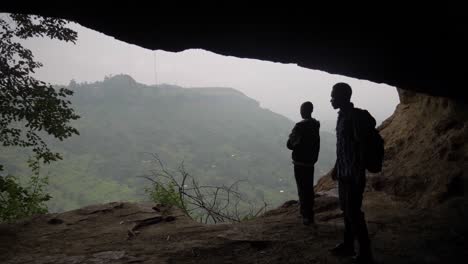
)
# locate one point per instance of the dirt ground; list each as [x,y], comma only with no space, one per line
[109,233]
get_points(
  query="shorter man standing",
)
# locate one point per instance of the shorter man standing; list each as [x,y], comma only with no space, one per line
[304,141]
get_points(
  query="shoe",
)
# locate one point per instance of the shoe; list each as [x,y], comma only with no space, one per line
[342,250]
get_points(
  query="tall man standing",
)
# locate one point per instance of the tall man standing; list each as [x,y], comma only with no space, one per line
[351,131]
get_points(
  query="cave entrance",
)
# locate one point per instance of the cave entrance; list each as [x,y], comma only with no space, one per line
[249,108]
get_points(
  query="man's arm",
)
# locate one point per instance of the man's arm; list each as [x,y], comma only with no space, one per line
[294,138]
[316,141]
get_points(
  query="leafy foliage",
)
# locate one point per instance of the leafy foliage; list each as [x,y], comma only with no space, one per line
[17,201]
[27,105]
[165,193]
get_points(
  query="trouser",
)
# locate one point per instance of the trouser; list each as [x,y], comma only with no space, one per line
[350,195]
[305,188]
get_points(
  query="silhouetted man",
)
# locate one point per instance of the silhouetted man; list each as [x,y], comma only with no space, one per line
[304,141]
[350,172]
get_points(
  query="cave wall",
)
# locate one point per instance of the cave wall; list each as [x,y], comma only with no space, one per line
[426,152]
[426,149]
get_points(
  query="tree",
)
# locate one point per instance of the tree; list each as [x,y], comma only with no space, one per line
[30,107]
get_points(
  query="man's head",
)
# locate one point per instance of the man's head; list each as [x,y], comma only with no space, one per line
[340,95]
[306,110]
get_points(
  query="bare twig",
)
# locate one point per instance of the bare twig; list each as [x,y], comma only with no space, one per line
[207,203]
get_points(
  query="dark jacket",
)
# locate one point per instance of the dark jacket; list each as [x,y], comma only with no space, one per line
[304,141]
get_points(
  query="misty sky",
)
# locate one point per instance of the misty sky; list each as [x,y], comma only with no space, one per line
[278,87]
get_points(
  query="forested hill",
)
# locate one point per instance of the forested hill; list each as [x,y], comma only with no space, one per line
[220,134]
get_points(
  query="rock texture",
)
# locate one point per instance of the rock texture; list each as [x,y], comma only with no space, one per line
[106,234]
[426,152]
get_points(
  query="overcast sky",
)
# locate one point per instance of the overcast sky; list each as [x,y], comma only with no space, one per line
[278,87]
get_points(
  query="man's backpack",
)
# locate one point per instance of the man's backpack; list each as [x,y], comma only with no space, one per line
[371,141]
